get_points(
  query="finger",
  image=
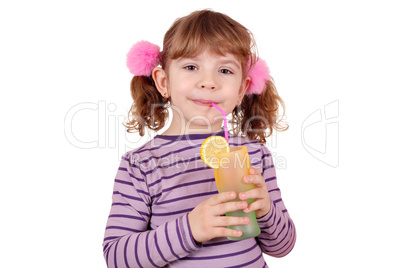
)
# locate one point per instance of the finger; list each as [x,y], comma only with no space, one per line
[221,198]
[256,193]
[260,206]
[254,206]
[257,180]
[231,221]
[226,232]
[224,208]
[254,171]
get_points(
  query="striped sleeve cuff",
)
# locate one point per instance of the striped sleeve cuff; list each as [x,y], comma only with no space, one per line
[188,239]
[269,218]
[176,239]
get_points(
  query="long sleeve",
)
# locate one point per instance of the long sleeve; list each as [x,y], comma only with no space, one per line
[278,233]
[128,240]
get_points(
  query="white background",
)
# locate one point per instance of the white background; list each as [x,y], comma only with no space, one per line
[55,55]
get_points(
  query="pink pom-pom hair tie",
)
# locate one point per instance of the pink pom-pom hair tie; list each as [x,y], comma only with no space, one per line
[142,58]
[259,74]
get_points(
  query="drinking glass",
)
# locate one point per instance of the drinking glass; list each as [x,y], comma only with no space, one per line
[233,166]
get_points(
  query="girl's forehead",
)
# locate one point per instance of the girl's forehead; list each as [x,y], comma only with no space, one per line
[210,54]
[195,48]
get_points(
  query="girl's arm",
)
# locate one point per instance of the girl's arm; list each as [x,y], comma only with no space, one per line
[128,240]
[278,233]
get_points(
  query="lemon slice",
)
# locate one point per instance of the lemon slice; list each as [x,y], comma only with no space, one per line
[211,147]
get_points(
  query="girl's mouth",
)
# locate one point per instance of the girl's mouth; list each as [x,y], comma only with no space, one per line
[203,102]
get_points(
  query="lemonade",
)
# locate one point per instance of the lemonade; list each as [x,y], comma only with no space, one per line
[231,165]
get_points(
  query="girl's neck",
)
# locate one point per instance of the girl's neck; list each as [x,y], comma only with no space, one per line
[181,129]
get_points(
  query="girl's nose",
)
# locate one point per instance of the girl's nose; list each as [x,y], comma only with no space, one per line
[205,85]
[207,81]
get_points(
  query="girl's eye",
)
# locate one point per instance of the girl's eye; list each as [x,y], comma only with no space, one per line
[190,68]
[226,71]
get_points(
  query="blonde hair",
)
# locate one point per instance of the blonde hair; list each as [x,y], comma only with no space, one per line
[188,37]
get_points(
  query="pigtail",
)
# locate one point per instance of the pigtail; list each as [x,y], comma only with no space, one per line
[257,116]
[149,108]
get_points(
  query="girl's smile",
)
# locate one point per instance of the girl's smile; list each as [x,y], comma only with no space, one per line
[203,102]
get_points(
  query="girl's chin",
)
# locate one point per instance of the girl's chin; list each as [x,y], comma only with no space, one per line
[203,124]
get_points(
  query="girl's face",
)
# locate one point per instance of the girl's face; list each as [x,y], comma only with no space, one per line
[194,83]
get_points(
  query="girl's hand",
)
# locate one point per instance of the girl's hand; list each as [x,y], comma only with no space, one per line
[208,220]
[262,202]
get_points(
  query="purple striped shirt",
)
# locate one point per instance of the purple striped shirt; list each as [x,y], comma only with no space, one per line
[158,184]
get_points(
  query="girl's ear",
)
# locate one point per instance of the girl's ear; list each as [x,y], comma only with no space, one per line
[244,87]
[160,78]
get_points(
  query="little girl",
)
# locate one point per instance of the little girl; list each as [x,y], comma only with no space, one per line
[166,209]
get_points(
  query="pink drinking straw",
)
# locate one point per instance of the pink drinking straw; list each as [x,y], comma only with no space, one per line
[225,124]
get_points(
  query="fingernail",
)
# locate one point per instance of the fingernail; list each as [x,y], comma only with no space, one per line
[242,195]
